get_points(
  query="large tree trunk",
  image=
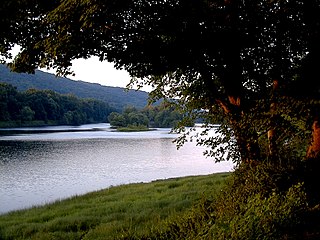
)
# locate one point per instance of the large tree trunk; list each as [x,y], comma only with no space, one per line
[313,150]
[311,175]
[311,73]
[272,132]
[246,138]
[231,77]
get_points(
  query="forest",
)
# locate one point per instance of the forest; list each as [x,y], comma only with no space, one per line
[35,107]
[46,107]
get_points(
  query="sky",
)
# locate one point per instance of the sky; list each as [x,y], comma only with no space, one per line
[94,71]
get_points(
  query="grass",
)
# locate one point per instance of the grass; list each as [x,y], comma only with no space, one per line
[121,212]
[134,128]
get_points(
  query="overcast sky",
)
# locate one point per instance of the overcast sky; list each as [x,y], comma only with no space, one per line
[104,73]
[92,70]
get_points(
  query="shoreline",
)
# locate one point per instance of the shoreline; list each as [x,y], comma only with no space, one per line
[163,180]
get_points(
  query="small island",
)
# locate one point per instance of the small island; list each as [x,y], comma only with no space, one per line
[134,120]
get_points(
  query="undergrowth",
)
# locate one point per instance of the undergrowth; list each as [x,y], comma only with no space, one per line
[260,201]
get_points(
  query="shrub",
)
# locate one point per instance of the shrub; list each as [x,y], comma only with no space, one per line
[263,201]
[274,217]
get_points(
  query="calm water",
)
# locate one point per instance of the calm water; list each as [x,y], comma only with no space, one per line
[44,166]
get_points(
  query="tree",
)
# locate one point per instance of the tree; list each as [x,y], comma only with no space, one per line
[9,106]
[27,114]
[235,59]
[117,120]
[138,119]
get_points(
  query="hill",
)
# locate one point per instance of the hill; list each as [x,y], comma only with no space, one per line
[115,96]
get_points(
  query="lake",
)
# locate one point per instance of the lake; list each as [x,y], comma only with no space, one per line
[45,164]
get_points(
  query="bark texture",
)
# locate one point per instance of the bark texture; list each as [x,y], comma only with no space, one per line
[314,147]
[272,132]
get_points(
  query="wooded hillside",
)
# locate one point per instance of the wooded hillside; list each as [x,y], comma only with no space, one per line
[45,107]
[116,97]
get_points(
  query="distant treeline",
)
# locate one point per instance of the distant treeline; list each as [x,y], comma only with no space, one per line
[48,107]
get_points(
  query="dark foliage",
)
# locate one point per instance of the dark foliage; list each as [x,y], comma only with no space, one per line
[259,202]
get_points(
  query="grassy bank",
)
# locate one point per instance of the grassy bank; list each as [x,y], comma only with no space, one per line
[119,212]
[133,128]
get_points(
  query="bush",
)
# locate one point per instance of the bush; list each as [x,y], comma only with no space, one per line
[273,217]
[261,201]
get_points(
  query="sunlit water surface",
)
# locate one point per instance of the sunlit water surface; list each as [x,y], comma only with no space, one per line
[39,168]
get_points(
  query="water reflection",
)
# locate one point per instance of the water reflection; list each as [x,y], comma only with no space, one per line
[40,168]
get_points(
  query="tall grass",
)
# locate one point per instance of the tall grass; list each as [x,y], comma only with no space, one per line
[122,212]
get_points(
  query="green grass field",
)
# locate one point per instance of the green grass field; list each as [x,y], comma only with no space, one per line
[121,212]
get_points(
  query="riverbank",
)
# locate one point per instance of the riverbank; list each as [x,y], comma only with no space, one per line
[29,124]
[113,213]
[18,124]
